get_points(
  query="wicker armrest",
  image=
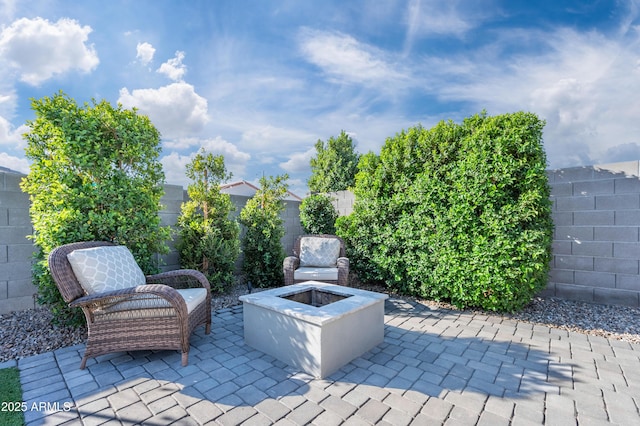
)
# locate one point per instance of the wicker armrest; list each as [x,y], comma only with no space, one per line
[112,298]
[180,279]
[343,262]
[291,263]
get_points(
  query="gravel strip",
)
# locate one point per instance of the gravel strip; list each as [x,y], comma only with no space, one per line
[30,332]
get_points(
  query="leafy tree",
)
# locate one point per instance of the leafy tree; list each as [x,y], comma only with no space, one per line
[209,239]
[95,175]
[317,215]
[261,245]
[460,212]
[335,165]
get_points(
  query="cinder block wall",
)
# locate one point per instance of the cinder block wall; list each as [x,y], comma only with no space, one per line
[292,225]
[596,248]
[343,202]
[171,202]
[16,288]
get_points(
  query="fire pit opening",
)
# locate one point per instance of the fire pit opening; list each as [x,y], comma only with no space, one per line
[315,297]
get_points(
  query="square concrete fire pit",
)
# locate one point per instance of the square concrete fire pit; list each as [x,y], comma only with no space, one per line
[314,326]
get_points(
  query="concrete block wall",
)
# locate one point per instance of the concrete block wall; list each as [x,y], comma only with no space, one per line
[596,247]
[16,288]
[16,250]
[292,225]
[171,203]
[343,202]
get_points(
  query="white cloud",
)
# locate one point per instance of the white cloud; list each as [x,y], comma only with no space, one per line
[234,159]
[182,143]
[216,146]
[276,139]
[299,162]
[347,60]
[623,152]
[176,110]
[456,18]
[10,136]
[12,139]
[298,187]
[145,52]
[7,9]
[584,85]
[17,164]
[8,99]
[39,50]
[174,164]
[174,68]
[424,17]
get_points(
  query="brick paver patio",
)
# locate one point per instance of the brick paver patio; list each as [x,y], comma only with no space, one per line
[435,367]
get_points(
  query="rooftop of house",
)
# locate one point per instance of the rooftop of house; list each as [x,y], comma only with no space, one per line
[242,187]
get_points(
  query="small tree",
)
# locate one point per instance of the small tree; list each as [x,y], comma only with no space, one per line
[261,245]
[335,165]
[317,215]
[95,176]
[209,239]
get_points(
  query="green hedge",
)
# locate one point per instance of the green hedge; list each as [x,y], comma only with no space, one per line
[95,175]
[264,230]
[459,213]
[317,215]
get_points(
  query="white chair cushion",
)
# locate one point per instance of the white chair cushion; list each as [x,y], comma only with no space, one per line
[322,252]
[316,274]
[148,305]
[105,268]
[193,297]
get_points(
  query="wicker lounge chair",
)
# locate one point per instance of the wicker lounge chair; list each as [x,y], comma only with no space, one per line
[161,313]
[317,258]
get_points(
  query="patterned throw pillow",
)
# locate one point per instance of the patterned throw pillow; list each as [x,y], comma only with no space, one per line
[105,268]
[321,252]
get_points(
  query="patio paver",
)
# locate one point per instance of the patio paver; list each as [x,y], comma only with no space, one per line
[435,367]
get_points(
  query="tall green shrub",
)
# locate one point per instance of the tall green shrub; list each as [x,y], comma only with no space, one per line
[317,215]
[95,175]
[335,165]
[264,229]
[460,212]
[209,239]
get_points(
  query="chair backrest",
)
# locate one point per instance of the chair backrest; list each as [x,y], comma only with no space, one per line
[62,272]
[296,245]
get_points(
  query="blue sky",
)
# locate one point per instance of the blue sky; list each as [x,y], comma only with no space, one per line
[261,81]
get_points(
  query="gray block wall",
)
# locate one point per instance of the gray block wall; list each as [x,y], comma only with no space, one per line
[16,288]
[292,225]
[343,202]
[171,202]
[596,247]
